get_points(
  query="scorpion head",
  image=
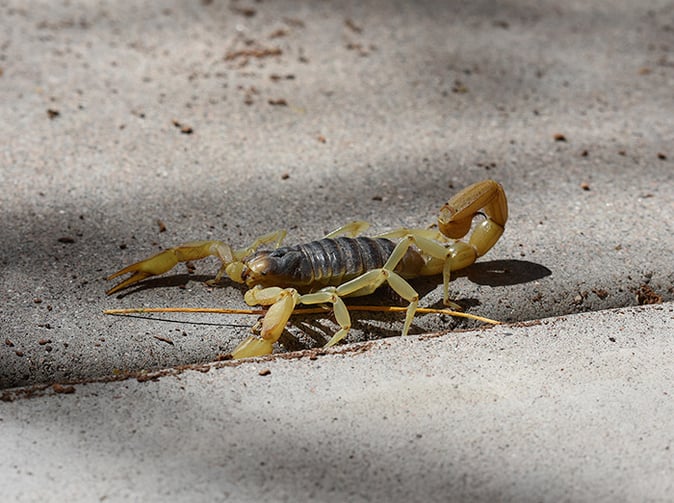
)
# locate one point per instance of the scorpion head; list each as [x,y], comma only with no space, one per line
[280,267]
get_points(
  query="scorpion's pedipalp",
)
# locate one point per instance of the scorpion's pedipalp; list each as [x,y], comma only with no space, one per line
[166,260]
[157,264]
[135,278]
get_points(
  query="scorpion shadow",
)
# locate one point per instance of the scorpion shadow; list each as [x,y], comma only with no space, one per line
[489,273]
[504,272]
[497,273]
[180,281]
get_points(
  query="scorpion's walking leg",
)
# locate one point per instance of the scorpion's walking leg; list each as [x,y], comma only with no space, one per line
[166,260]
[352,229]
[283,302]
[442,256]
[365,285]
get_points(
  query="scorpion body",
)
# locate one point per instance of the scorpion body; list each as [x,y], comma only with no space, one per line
[334,267]
[325,262]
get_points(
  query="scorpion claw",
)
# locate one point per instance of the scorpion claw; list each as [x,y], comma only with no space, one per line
[166,260]
[153,266]
[138,276]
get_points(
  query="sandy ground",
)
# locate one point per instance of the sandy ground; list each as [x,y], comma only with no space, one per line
[128,127]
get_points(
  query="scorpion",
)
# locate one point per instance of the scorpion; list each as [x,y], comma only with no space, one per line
[343,263]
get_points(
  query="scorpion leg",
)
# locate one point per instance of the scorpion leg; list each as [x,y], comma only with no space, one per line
[442,258]
[352,229]
[331,295]
[365,285]
[368,283]
[166,260]
[283,302]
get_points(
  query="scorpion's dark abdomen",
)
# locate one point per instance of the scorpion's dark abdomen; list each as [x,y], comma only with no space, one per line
[333,261]
[326,262]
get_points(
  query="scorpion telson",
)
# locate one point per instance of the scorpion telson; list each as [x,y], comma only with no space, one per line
[325,271]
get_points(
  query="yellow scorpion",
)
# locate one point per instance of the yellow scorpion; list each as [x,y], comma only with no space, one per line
[342,264]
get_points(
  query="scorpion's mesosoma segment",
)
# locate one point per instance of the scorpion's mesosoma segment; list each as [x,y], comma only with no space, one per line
[325,271]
